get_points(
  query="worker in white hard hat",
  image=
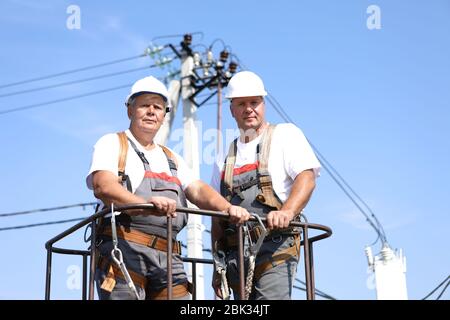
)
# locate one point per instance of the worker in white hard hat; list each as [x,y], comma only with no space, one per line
[270,170]
[130,168]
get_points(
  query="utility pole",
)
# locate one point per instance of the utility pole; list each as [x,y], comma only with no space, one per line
[390,273]
[174,97]
[191,155]
[197,75]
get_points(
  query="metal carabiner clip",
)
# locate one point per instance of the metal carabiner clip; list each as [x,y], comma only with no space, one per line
[117,255]
[255,248]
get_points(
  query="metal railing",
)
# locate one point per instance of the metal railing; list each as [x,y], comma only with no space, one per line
[307,244]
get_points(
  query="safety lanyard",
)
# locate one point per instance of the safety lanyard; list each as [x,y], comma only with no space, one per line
[116,253]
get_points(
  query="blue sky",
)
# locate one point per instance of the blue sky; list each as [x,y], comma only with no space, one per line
[374,102]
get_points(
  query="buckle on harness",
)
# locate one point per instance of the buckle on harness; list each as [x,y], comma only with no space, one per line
[254,248]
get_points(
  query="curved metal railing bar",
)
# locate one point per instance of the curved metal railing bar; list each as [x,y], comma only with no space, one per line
[306,242]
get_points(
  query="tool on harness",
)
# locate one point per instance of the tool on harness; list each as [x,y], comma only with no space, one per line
[252,252]
[116,254]
[221,268]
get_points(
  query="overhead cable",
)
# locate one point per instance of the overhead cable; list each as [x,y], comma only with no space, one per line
[72,71]
[77,81]
[2,215]
[40,224]
[376,225]
[31,106]
[447,279]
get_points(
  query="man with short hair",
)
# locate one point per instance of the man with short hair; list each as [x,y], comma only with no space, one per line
[269,170]
[129,167]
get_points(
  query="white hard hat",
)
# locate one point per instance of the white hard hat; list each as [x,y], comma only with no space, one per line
[245,84]
[149,85]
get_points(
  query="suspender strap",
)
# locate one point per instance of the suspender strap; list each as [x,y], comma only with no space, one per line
[229,166]
[123,150]
[141,155]
[267,196]
[169,155]
[171,160]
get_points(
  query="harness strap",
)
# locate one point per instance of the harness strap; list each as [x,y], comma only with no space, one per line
[229,166]
[245,186]
[171,159]
[123,150]
[278,258]
[149,240]
[113,271]
[267,196]
[230,241]
[141,155]
[178,291]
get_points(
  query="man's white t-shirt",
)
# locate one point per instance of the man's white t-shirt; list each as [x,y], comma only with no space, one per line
[290,154]
[106,157]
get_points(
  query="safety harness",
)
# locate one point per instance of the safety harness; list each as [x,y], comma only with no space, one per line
[264,181]
[115,267]
[242,186]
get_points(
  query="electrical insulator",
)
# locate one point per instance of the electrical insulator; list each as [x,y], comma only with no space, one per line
[160,62]
[205,72]
[369,255]
[209,57]
[224,55]
[232,67]
[387,253]
[219,64]
[196,59]
[151,50]
[187,39]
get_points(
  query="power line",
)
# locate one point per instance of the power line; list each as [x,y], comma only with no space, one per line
[74,81]
[443,290]
[318,292]
[2,215]
[447,279]
[63,99]
[178,35]
[329,168]
[40,224]
[72,71]
[85,94]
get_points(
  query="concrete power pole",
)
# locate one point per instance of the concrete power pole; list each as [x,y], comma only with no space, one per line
[174,97]
[190,86]
[191,155]
[390,273]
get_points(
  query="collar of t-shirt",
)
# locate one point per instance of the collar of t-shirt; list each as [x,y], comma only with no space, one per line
[147,153]
[246,152]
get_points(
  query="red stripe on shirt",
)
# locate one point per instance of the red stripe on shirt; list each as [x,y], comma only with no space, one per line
[162,176]
[245,168]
